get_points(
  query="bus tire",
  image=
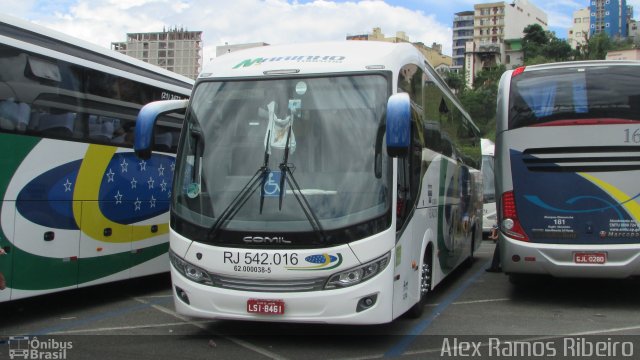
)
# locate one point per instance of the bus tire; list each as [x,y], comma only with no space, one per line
[518,279]
[469,261]
[528,280]
[426,273]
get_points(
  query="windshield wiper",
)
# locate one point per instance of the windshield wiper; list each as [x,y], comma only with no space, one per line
[287,174]
[256,181]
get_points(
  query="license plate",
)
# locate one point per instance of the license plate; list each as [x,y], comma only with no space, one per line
[590,258]
[263,306]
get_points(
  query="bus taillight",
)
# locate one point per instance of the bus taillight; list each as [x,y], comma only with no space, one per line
[510,223]
[517,71]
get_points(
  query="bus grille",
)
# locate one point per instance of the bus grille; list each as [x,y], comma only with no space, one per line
[583,159]
[234,283]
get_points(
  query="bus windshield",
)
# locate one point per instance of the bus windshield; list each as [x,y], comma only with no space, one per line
[488,182]
[285,155]
[597,94]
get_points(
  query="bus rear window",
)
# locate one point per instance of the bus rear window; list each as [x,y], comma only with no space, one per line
[575,95]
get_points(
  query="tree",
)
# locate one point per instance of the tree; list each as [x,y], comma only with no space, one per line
[489,78]
[455,81]
[540,46]
[535,34]
[598,46]
[557,49]
[535,38]
[480,102]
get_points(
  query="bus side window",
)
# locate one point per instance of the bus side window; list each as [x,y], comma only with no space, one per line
[54,123]
[102,128]
[14,116]
[410,172]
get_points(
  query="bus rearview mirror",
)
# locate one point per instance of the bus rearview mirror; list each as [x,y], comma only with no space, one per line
[146,120]
[398,125]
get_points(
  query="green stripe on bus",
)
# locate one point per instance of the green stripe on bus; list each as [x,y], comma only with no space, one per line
[13,150]
[34,272]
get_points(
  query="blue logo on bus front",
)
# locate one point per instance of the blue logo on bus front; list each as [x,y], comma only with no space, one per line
[320,262]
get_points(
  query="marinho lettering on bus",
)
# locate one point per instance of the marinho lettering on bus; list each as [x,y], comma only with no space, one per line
[296,58]
[563,347]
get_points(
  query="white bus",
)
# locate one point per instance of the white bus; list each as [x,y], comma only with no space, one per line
[326,182]
[567,169]
[76,204]
[489,217]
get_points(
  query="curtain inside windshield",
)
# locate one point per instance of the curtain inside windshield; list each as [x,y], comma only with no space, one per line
[602,92]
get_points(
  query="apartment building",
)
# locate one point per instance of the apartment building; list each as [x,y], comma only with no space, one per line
[462,33]
[579,32]
[176,49]
[610,17]
[493,24]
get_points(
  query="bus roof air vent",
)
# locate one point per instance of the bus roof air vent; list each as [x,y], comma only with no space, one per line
[281,72]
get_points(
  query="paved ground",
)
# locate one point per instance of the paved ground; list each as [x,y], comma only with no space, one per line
[136,320]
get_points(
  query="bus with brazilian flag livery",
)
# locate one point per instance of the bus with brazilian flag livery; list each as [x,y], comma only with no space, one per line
[325,182]
[78,207]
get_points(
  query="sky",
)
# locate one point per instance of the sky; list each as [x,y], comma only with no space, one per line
[269,21]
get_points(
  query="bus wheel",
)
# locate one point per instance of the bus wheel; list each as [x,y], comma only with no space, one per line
[469,261]
[519,280]
[425,286]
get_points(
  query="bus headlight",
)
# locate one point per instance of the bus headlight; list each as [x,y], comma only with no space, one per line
[359,274]
[189,270]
